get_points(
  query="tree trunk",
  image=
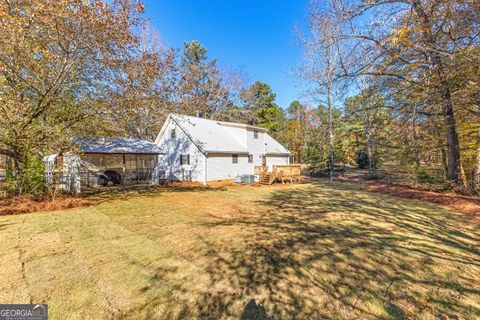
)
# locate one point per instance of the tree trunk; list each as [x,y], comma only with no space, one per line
[477,171]
[329,74]
[463,176]
[370,158]
[440,142]
[453,142]
[369,149]
[331,159]
[415,139]
[368,135]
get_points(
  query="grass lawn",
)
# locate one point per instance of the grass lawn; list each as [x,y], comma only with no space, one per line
[325,250]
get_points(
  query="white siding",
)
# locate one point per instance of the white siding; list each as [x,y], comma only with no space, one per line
[220,166]
[173,148]
[257,159]
[255,146]
[276,160]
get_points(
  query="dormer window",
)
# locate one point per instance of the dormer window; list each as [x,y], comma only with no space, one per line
[173,134]
[255,134]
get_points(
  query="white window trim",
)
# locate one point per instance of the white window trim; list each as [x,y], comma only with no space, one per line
[181,159]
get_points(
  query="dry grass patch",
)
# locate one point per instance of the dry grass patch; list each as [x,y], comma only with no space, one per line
[326,250]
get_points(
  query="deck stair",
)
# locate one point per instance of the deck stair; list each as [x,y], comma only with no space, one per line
[265,178]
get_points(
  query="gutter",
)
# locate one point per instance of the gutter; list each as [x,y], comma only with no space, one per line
[277,154]
[205,171]
[226,152]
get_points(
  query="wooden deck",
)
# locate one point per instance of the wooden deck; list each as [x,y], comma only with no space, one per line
[279,173]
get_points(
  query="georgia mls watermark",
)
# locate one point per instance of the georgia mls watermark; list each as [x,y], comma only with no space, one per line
[23,312]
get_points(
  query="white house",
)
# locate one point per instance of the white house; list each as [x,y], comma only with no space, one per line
[204,150]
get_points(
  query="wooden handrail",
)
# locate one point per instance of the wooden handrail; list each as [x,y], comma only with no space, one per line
[274,176]
[261,171]
[289,171]
[280,172]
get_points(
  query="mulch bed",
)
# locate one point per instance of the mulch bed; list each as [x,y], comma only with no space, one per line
[26,204]
[220,183]
[449,200]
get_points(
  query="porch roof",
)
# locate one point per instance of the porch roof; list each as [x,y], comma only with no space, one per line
[117,145]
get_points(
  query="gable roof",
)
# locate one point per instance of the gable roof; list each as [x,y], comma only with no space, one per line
[117,145]
[272,146]
[210,136]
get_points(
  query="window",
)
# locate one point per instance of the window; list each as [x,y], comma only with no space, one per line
[234,158]
[145,161]
[250,158]
[184,159]
[130,162]
[255,134]
[173,134]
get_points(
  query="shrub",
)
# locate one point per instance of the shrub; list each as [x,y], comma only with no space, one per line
[362,159]
[28,178]
[424,177]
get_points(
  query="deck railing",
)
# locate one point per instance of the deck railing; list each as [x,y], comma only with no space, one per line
[283,172]
[291,172]
[260,171]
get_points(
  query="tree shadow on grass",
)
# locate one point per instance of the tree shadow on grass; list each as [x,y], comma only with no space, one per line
[128,192]
[254,311]
[330,252]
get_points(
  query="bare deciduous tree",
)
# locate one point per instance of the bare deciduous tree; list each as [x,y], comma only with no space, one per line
[144,90]
[411,44]
[322,64]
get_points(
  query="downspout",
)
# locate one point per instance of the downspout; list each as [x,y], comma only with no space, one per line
[205,170]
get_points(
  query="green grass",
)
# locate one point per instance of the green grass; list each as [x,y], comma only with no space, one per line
[326,250]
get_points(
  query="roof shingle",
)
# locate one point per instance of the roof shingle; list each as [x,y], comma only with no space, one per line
[117,145]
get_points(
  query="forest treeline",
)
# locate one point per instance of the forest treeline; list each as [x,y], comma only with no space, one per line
[391,85]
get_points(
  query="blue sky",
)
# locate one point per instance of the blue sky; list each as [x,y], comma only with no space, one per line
[255,36]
